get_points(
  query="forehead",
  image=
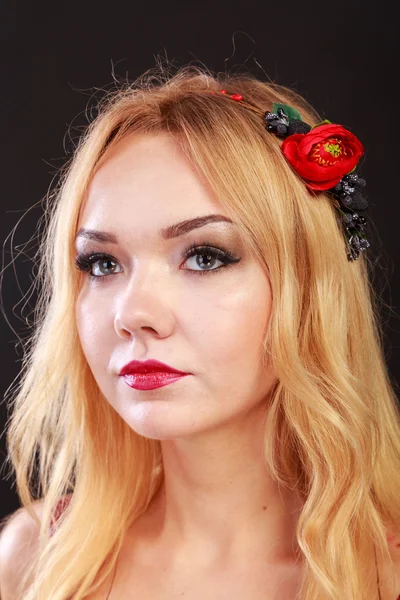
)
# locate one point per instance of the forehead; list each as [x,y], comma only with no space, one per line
[136,149]
[146,167]
[144,184]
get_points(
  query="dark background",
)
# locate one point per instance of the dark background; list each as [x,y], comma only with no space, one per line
[56,58]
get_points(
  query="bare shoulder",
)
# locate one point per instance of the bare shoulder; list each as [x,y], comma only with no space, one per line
[18,544]
[395,552]
[394,545]
[389,574]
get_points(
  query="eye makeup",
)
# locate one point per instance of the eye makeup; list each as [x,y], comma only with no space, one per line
[85,261]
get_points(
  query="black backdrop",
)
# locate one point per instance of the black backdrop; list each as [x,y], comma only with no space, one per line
[341,55]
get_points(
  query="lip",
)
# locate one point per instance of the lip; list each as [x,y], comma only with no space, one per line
[149,367]
[151,381]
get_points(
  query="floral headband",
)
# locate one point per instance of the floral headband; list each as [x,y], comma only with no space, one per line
[325,157]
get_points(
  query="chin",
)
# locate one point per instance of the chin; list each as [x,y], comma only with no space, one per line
[149,419]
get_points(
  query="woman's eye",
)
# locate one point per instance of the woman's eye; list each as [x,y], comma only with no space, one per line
[96,265]
[102,265]
[205,258]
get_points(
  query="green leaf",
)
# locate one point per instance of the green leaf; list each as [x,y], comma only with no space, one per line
[326,122]
[289,111]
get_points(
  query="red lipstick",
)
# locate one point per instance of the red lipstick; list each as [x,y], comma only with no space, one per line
[150,374]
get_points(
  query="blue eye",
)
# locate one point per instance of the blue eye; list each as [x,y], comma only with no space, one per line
[85,262]
[208,256]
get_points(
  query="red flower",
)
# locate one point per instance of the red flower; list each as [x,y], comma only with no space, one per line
[323,155]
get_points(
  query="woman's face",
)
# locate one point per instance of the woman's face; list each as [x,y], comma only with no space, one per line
[147,301]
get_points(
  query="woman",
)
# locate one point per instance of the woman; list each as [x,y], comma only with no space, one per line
[195,227]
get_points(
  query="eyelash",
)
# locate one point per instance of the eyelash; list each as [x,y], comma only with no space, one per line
[85,261]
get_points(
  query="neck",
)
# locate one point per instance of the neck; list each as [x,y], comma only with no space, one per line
[219,501]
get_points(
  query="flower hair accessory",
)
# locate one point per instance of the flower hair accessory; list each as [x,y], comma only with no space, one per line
[325,157]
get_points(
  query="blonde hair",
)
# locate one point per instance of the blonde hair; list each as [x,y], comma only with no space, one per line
[332,425]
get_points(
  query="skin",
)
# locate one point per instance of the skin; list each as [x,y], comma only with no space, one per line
[218,504]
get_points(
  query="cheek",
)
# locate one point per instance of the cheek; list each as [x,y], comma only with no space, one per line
[94,333]
[233,326]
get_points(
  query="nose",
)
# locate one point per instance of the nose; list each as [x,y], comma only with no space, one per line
[143,306]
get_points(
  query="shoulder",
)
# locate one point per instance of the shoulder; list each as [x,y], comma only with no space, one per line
[18,544]
[395,552]
[389,574]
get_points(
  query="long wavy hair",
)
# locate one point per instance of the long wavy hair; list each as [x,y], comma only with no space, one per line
[332,428]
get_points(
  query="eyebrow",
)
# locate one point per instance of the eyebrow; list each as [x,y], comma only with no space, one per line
[173,231]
